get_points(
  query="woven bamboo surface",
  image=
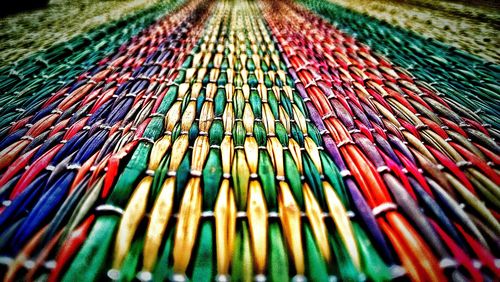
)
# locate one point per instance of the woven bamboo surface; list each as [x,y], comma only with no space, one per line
[467,25]
[249,141]
[27,32]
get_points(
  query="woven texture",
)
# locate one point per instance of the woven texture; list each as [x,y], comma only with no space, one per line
[31,31]
[27,83]
[249,141]
[464,79]
[472,28]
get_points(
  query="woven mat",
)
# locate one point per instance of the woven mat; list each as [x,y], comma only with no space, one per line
[473,28]
[24,33]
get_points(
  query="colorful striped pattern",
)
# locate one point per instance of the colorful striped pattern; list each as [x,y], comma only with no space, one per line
[464,79]
[249,140]
[27,83]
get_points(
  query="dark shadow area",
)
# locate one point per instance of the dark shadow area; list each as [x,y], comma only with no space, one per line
[12,7]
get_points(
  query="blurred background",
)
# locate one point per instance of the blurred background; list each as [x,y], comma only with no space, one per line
[469,25]
[28,26]
[34,25]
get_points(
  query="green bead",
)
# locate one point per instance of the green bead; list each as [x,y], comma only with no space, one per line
[286,103]
[176,132]
[131,262]
[242,267]
[372,264]
[206,79]
[159,178]
[334,177]
[293,177]
[91,261]
[200,101]
[345,266]
[182,176]
[255,103]
[259,132]
[239,134]
[163,269]
[193,132]
[181,77]
[225,64]
[313,132]
[216,133]
[252,80]
[278,82]
[267,177]
[300,103]
[315,264]
[264,68]
[204,259]
[278,260]
[212,178]
[273,103]
[250,65]
[281,133]
[297,134]
[188,61]
[238,103]
[219,102]
[222,81]
[154,128]
[238,81]
[313,178]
